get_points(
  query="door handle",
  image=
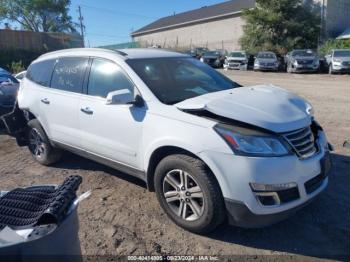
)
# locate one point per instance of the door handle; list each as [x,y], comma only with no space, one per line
[87,110]
[45,101]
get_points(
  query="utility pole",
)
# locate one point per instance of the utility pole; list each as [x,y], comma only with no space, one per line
[82,27]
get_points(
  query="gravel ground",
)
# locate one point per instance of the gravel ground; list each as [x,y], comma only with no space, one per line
[122,217]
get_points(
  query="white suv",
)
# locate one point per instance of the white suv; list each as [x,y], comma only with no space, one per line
[210,149]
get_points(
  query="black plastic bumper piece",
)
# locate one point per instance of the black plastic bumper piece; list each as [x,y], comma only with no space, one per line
[239,215]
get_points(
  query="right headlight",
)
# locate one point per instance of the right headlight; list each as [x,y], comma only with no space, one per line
[1,93]
[252,143]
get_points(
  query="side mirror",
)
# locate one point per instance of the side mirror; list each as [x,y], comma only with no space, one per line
[124,97]
[120,97]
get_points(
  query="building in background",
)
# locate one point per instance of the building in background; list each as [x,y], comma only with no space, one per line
[220,26]
[335,17]
[215,27]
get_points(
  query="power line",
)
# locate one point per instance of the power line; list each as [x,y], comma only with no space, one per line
[118,12]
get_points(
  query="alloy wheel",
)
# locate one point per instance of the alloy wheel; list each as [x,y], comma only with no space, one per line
[183,195]
[36,143]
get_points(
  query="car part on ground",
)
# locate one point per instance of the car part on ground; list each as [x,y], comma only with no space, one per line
[303,60]
[266,61]
[239,60]
[267,134]
[338,61]
[41,221]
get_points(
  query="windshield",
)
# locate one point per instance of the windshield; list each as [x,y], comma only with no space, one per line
[266,56]
[343,53]
[175,79]
[306,53]
[237,54]
[212,53]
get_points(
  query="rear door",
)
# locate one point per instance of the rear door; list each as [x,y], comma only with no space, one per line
[59,103]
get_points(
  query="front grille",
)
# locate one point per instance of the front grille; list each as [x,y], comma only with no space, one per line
[313,184]
[302,141]
[346,63]
[305,62]
[236,61]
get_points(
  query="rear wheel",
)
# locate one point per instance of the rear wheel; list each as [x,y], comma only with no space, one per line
[189,193]
[39,145]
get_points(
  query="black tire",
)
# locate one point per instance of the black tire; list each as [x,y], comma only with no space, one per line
[47,154]
[213,207]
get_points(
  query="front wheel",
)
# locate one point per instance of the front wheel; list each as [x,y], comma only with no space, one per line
[39,145]
[189,194]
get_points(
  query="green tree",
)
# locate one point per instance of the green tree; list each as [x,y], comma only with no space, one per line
[38,15]
[334,44]
[281,25]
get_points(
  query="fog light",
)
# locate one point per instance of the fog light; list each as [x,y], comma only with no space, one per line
[268,199]
[256,187]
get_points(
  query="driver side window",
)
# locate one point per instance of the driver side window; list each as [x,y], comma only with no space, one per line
[105,77]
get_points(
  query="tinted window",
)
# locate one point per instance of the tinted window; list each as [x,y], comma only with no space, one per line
[41,72]
[68,74]
[105,77]
[176,79]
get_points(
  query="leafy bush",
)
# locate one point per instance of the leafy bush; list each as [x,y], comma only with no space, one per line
[16,67]
[334,44]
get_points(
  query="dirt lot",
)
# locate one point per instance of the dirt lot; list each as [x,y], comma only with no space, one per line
[121,217]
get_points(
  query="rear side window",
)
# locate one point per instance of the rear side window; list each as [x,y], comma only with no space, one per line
[105,77]
[41,72]
[69,73]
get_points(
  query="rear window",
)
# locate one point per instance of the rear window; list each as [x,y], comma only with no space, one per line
[41,72]
[69,73]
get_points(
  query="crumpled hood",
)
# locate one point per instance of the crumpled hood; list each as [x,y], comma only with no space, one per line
[265,106]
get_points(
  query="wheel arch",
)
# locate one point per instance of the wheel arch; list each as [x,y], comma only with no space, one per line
[162,152]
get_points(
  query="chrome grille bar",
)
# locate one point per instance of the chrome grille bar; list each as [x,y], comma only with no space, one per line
[302,141]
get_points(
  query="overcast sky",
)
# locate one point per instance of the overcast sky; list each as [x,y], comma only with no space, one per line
[111,21]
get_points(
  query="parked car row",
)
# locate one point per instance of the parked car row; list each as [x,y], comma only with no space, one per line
[296,61]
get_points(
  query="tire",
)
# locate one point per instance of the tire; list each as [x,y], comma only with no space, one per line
[39,145]
[204,209]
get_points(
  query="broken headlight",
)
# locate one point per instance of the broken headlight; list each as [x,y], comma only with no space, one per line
[252,143]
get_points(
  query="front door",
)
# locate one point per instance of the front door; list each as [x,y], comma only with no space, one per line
[113,132]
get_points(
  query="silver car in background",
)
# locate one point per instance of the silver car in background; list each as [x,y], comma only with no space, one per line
[266,61]
[302,61]
[338,61]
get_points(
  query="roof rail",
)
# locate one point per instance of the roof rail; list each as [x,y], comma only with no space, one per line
[121,53]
